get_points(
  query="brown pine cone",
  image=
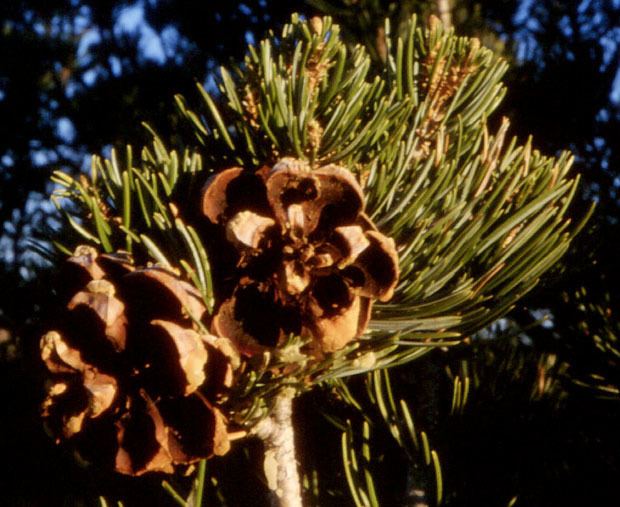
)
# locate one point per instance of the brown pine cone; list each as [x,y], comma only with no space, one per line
[309,260]
[126,366]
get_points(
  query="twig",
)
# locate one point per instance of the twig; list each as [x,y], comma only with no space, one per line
[444,9]
[276,432]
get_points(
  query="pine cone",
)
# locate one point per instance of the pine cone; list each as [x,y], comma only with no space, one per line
[309,261]
[126,367]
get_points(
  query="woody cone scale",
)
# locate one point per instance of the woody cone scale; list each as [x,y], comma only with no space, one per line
[126,365]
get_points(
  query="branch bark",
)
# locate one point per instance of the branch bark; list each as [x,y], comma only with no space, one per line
[276,432]
[444,10]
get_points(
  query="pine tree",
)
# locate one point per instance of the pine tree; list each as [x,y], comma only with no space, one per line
[421,223]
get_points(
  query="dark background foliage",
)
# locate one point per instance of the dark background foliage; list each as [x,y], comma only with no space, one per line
[79,76]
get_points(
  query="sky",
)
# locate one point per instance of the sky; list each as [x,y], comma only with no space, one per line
[159,47]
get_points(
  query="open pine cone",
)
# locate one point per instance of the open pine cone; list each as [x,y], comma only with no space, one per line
[309,261]
[126,366]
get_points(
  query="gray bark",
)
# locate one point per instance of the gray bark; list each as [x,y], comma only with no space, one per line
[276,432]
[444,10]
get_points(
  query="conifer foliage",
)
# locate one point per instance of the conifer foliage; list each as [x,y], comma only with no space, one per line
[326,219]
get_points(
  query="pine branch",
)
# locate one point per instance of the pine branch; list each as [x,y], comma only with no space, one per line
[478,222]
[476,217]
[382,412]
